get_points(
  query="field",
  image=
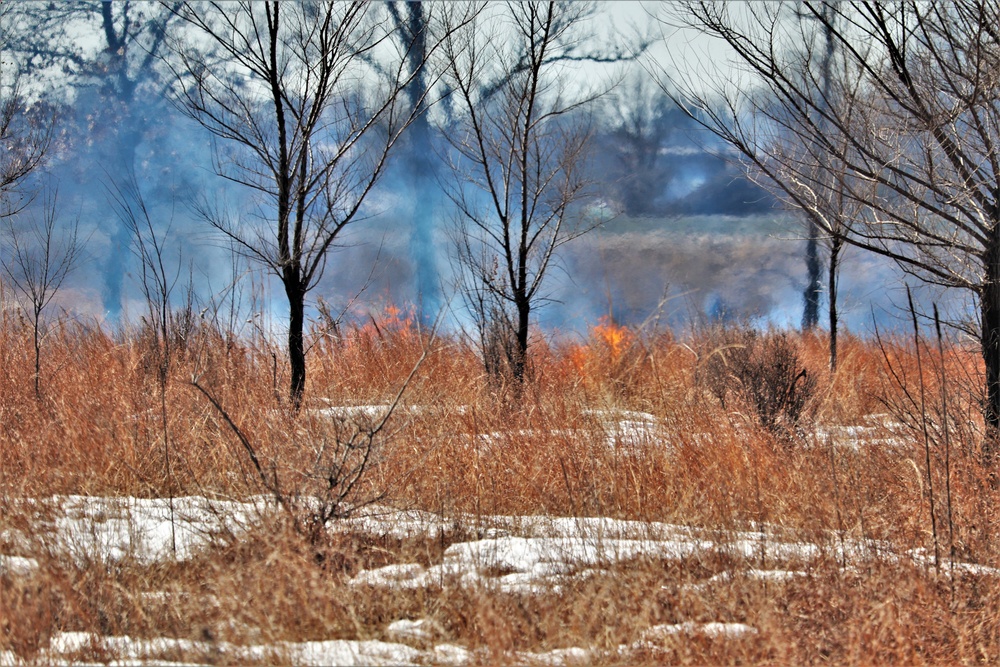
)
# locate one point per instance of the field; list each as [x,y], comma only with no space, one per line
[646,497]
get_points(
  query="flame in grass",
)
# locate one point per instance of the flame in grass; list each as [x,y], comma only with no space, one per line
[387,322]
[608,342]
[615,337]
[383,326]
[397,320]
[579,355]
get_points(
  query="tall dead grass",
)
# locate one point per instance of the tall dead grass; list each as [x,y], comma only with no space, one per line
[622,424]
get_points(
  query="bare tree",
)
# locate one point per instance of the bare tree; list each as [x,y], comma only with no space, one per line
[518,166]
[797,165]
[117,56]
[820,178]
[40,259]
[831,198]
[302,121]
[25,134]
[25,129]
[156,283]
[99,63]
[811,296]
[917,145]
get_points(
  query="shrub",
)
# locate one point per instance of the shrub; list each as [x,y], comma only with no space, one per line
[761,373]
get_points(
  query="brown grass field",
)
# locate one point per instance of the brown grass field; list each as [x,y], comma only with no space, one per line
[852,468]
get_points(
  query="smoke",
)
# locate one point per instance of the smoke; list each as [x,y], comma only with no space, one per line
[722,269]
[685,271]
[721,253]
[102,145]
[688,237]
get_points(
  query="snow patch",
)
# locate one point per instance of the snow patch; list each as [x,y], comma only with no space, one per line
[713,629]
[17,566]
[333,652]
[451,654]
[88,529]
[407,629]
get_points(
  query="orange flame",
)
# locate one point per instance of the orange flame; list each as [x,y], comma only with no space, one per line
[578,356]
[386,324]
[608,342]
[615,337]
[397,319]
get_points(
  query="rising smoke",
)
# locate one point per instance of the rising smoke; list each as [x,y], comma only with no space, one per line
[686,236]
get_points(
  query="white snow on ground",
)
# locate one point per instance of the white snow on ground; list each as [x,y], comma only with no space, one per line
[634,436]
[626,430]
[377,411]
[926,558]
[407,629]
[148,651]
[450,654]
[623,415]
[880,430]
[17,566]
[727,630]
[536,564]
[524,565]
[560,656]
[761,575]
[549,551]
[622,430]
[629,430]
[128,650]
[517,564]
[520,555]
[400,524]
[147,529]
[354,412]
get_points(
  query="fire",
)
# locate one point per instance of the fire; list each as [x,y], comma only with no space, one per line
[608,341]
[397,319]
[615,337]
[387,324]
[578,356]
[392,322]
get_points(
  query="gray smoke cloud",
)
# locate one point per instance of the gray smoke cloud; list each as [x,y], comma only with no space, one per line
[707,244]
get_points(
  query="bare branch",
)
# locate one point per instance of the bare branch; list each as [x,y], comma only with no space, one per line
[517,156]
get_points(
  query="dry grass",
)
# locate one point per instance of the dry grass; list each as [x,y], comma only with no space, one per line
[468,449]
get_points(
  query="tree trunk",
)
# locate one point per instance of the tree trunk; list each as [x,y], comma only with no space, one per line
[118,93]
[423,190]
[810,316]
[296,343]
[521,349]
[835,247]
[38,352]
[989,297]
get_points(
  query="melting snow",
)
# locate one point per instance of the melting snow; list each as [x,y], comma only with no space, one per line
[407,629]
[728,630]
[521,555]
[334,652]
[146,529]
[17,566]
[450,654]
